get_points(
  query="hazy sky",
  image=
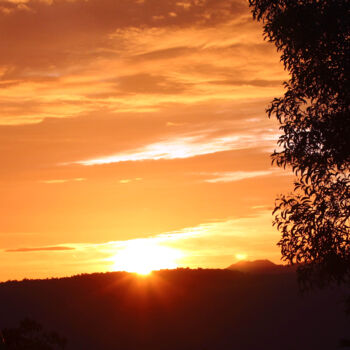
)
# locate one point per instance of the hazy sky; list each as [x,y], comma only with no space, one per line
[134,119]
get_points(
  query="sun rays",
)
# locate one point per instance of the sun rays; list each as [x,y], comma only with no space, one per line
[143,256]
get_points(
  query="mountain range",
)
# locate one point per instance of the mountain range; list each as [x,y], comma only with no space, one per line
[260,266]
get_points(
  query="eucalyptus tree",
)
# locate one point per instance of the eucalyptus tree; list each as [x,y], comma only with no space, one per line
[313,37]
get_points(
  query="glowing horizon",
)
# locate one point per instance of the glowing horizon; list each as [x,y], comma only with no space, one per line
[134,122]
[143,257]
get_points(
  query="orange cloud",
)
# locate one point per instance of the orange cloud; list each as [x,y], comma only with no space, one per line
[123,59]
[218,177]
[61,181]
[126,181]
[184,147]
[236,176]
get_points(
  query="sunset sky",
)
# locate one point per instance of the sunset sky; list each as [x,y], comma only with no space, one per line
[135,128]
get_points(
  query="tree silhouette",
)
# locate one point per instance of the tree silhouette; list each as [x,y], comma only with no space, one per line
[344,343]
[30,336]
[313,37]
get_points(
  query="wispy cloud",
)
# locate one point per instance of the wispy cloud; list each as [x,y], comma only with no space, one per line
[236,175]
[126,181]
[183,147]
[62,181]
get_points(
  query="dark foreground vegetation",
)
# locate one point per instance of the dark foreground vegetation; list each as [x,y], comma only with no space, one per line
[179,309]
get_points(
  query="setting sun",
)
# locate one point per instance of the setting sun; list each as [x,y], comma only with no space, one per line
[145,256]
[174,174]
[241,256]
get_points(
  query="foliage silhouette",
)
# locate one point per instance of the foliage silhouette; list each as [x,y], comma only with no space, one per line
[313,37]
[30,336]
[344,343]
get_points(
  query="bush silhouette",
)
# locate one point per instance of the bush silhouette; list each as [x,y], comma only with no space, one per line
[30,336]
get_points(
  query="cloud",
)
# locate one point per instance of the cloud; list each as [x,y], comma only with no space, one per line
[67,63]
[126,181]
[63,23]
[39,249]
[212,244]
[236,175]
[163,54]
[184,147]
[149,84]
[251,236]
[256,82]
[61,181]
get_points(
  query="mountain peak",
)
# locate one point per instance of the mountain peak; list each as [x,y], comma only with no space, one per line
[256,266]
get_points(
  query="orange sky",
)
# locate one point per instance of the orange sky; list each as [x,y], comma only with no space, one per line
[134,119]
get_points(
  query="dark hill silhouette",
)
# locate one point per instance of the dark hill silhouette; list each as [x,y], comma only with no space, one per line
[260,266]
[179,309]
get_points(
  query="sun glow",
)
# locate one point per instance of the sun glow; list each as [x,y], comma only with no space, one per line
[241,256]
[144,256]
